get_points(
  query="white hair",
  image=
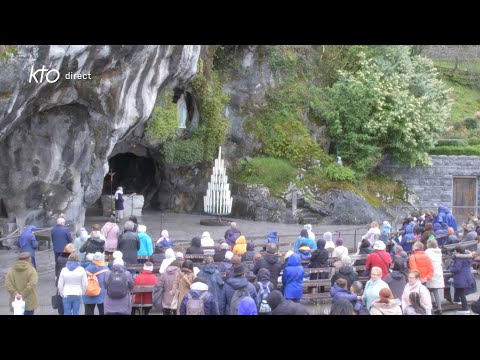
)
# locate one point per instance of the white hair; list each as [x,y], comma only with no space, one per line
[308,227]
[60,221]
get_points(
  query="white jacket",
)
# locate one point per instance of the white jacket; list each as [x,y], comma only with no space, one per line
[425,298]
[340,251]
[436,282]
[72,282]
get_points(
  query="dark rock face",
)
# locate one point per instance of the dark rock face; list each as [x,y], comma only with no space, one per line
[55,138]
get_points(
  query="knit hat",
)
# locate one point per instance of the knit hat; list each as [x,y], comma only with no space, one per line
[118,262]
[228,255]
[224,246]
[339,242]
[117,255]
[238,270]
[141,228]
[98,256]
[179,255]
[148,266]
[379,245]
[24,256]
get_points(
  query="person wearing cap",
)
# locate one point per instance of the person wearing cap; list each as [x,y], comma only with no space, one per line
[22,281]
[340,251]
[272,262]
[169,259]
[145,278]
[237,282]
[96,267]
[220,254]
[379,258]
[119,208]
[146,247]
[158,255]
[232,234]
[60,237]
[111,231]
[72,284]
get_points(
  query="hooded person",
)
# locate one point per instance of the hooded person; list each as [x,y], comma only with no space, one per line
[207,241]
[213,278]
[450,219]
[273,263]
[441,215]
[119,207]
[129,244]
[226,265]
[240,247]
[158,254]
[329,244]
[292,278]
[281,306]
[305,254]
[195,248]
[220,254]
[408,238]
[169,258]
[94,243]
[146,246]
[247,307]
[385,231]
[199,291]
[272,237]
[72,284]
[232,234]
[27,242]
[80,240]
[111,232]
[21,282]
[248,256]
[311,235]
[397,278]
[165,240]
[97,266]
[346,271]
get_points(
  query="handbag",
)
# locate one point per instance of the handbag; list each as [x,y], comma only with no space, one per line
[174,303]
[157,297]
[56,301]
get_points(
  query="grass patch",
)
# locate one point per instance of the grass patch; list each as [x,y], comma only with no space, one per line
[456,150]
[466,102]
[273,173]
[473,66]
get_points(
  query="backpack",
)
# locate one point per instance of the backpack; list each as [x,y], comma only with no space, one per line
[262,295]
[476,306]
[196,306]
[238,295]
[93,287]
[117,285]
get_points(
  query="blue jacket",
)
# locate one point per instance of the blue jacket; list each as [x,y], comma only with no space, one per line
[230,286]
[310,243]
[408,239]
[146,247]
[462,272]
[441,215]
[384,230]
[101,280]
[450,219]
[214,281]
[336,292]
[272,237]
[292,278]
[60,237]
[27,242]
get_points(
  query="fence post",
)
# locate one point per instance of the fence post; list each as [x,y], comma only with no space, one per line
[355,240]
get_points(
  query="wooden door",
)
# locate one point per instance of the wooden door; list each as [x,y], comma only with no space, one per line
[465,197]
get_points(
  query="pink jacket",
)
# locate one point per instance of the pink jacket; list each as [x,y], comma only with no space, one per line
[111,231]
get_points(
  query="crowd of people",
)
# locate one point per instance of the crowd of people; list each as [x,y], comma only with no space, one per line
[234,279]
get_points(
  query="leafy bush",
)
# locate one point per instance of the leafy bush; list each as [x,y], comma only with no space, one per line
[338,172]
[273,173]
[163,121]
[452,142]
[182,152]
[473,141]
[456,150]
[393,103]
[471,123]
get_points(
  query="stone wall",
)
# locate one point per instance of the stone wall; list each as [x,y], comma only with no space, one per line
[434,185]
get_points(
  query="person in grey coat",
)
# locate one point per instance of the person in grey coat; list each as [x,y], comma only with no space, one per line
[129,243]
[397,279]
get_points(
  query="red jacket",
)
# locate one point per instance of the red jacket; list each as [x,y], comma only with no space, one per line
[381,259]
[144,278]
[421,262]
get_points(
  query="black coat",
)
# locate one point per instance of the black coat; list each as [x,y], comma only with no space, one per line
[219,255]
[61,262]
[128,244]
[347,273]
[280,306]
[93,245]
[272,263]
[319,259]
[157,258]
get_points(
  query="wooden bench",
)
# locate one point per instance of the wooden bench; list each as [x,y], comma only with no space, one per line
[141,289]
[139,267]
[469,245]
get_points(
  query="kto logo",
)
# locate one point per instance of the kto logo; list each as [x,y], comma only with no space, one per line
[50,75]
